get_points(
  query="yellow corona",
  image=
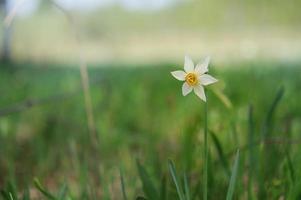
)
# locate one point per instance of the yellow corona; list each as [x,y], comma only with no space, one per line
[191,79]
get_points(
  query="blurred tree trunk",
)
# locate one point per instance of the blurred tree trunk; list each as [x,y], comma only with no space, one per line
[6,43]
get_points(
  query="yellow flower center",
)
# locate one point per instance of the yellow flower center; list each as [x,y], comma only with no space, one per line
[191,79]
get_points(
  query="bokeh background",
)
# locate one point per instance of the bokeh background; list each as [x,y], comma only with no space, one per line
[158,30]
[86,90]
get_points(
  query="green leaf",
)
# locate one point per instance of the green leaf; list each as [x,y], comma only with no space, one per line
[233,177]
[148,186]
[175,179]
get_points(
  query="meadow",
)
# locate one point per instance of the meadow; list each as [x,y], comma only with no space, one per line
[145,140]
[142,121]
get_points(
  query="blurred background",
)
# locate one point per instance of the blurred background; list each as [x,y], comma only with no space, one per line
[156,30]
[85,90]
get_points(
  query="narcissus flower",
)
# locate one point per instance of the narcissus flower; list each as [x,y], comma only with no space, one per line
[195,77]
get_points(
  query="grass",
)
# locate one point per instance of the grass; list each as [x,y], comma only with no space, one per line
[143,121]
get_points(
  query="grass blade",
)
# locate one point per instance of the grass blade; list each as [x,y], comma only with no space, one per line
[251,145]
[220,153]
[186,187]
[122,185]
[148,186]
[163,188]
[63,192]
[5,195]
[290,165]
[175,179]
[269,118]
[234,133]
[269,158]
[10,192]
[233,177]
[43,190]
[11,197]
[26,195]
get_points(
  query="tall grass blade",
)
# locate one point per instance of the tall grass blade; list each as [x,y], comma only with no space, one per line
[197,190]
[269,160]
[205,183]
[186,187]
[233,177]
[92,192]
[26,195]
[12,190]
[63,192]
[234,133]
[175,179]
[163,188]
[122,185]
[148,186]
[84,75]
[5,195]
[220,153]
[11,197]
[39,186]
[269,117]
[251,145]
[290,166]
[9,193]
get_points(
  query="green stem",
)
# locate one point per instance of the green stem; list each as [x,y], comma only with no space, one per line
[205,192]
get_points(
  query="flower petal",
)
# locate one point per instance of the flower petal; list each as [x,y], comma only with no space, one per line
[206,79]
[199,91]
[186,89]
[202,67]
[188,64]
[180,75]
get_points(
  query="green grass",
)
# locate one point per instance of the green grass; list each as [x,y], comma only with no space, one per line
[143,121]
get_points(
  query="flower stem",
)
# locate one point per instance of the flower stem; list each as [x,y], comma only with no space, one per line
[205,184]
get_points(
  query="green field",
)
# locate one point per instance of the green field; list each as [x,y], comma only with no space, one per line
[142,120]
[149,139]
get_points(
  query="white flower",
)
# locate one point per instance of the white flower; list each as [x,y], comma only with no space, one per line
[195,77]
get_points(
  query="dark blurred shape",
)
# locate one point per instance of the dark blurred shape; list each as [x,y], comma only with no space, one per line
[7,30]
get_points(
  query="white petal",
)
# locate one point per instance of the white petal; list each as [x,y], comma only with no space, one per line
[186,89]
[199,91]
[202,67]
[180,75]
[188,64]
[206,79]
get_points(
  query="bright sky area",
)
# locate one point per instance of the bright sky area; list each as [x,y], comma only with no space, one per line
[30,5]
